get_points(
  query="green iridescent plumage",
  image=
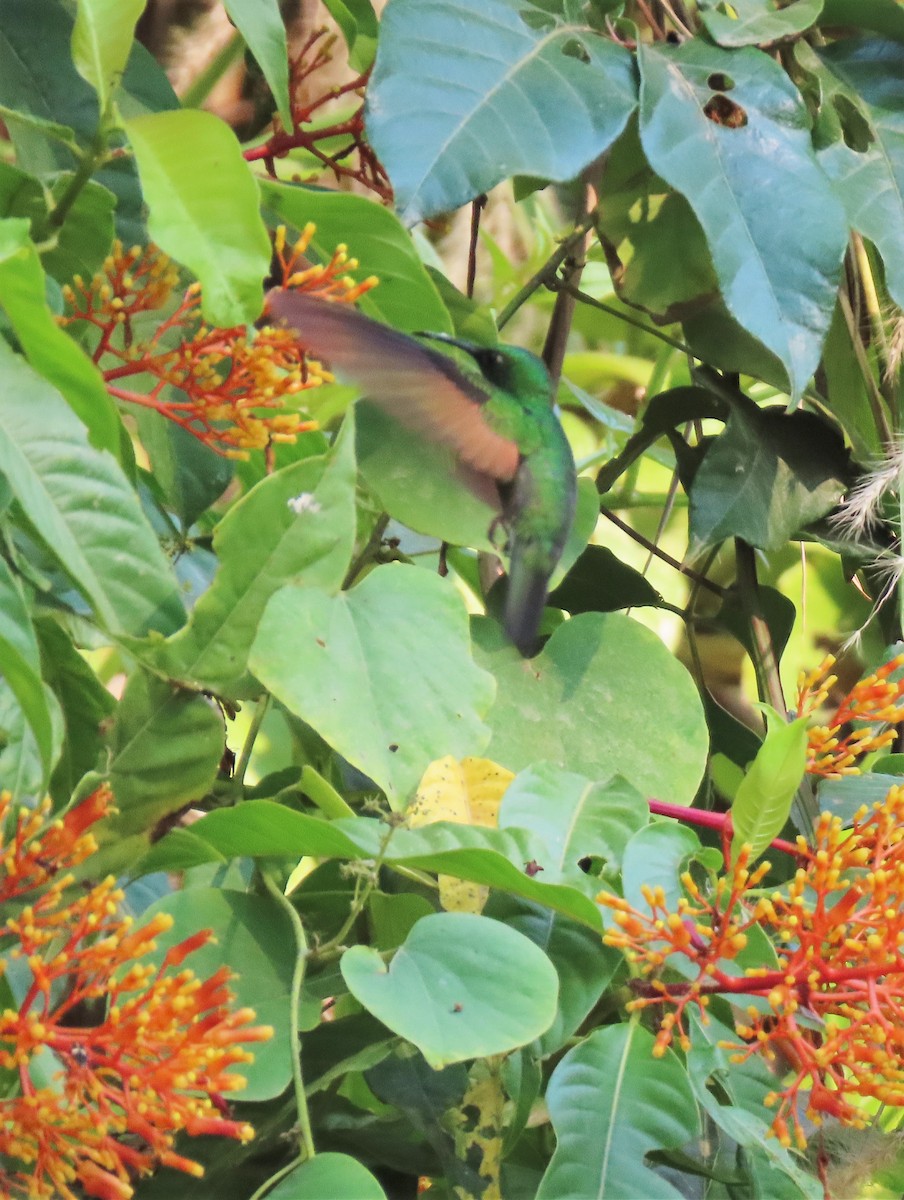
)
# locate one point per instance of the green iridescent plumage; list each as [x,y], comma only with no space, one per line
[492,407]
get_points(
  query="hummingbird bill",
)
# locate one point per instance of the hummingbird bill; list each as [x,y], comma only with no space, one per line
[495,416]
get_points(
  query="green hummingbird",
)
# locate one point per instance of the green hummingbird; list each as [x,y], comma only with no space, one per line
[495,415]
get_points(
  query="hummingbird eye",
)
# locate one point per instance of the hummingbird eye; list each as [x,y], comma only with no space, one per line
[493,365]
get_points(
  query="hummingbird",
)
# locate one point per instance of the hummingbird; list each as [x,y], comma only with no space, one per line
[492,407]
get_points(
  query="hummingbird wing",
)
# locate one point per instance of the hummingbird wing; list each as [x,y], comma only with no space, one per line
[420,388]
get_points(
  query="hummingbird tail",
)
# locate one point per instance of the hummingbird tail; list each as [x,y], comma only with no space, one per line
[525,601]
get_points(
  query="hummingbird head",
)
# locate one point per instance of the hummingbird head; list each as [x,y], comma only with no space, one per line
[509,368]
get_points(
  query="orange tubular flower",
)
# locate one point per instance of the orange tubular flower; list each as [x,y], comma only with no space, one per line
[877,699]
[835,1019]
[164,1047]
[220,385]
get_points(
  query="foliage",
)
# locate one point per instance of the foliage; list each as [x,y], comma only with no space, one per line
[507,915]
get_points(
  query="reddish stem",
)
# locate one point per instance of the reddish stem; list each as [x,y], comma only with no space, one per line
[712,820]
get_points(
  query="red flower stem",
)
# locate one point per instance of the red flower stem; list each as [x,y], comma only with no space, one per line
[711,820]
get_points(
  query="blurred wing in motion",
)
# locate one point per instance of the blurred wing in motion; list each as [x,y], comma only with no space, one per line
[420,388]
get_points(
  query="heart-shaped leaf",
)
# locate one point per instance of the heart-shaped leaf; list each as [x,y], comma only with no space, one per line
[438,993]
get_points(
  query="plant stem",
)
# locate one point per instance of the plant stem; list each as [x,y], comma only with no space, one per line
[371,547]
[546,273]
[301,948]
[621,316]
[711,820]
[715,588]
[241,767]
[56,218]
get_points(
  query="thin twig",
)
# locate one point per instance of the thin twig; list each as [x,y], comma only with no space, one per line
[477,207]
[545,274]
[661,554]
[622,316]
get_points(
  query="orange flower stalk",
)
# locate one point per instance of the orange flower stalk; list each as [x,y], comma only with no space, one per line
[220,385]
[160,1053]
[835,1019]
[877,699]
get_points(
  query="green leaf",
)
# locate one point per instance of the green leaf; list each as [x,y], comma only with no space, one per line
[101,41]
[295,525]
[261,25]
[861,129]
[407,298]
[588,701]
[655,857]
[51,351]
[729,130]
[79,502]
[495,96]
[329,1174]
[358,22]
[20,665]
[437,993]
[600,582]
[253,940]
[383,672]
[762,803]
[85,702]
[415,480]
[611,1103]
[749,22]
[573,817]
[584,965]
[495,857]
[884,16]
[83,241]
[843,797]
[746,1118]
[767,476]
[204,208]
[165,749]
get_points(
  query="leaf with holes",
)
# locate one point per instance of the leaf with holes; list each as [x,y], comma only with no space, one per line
[611,1103]
[861,135]
[730,131]
[499,90]
[752,22]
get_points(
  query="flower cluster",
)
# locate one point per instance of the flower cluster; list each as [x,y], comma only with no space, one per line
[353,158]
[834,1003]
[144,1051]
[878,699]
[227,389]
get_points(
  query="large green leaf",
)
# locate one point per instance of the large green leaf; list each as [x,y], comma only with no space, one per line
[80,503]
[745,1118]
[861,132]
[729,130]
[495,94]
[749,22]
[883,16]
[589,700]
[51,351]
[101,42]
[254,940]
[204,208]
[297,525]
[165,749]
[20,665]
[383,672]
[655,857]
[611,1103]
[766,477]
[85,702]
[497,858]
[574,817]
[584,965]
[407,298]
[261,25]
[436,992]
[329,1174]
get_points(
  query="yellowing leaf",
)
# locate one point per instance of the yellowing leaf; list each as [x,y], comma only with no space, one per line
[468,792]
[480,1118]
